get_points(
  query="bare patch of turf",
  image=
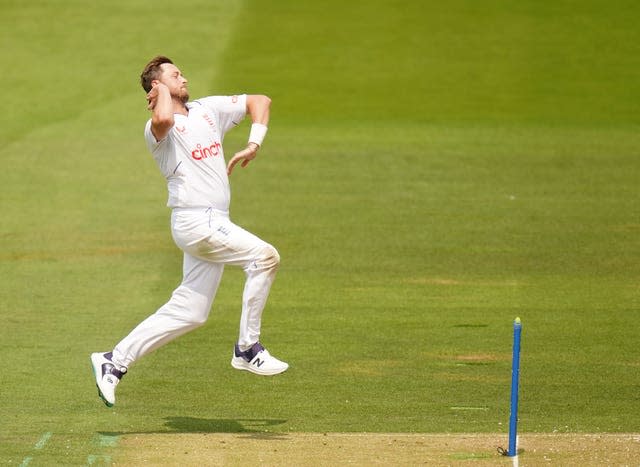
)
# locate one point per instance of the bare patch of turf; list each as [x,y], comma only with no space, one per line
[307,449]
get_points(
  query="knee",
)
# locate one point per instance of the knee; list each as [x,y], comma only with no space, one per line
[197,317]
[198,311]
[269,258]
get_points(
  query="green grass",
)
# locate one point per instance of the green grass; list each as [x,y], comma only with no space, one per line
[430,173]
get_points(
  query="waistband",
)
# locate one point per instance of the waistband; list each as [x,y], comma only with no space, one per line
[202,210]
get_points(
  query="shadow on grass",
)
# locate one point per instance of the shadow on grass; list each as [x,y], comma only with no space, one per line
[221,425]
[255,427]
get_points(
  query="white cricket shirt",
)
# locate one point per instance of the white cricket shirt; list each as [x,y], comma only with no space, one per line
[191,157]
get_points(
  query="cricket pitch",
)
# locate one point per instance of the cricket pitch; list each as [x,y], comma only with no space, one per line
[362,449]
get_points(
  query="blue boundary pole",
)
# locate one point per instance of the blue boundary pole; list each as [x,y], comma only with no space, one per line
[515,376]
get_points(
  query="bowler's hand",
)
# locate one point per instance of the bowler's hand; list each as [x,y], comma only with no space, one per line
[152,96]
[246,156]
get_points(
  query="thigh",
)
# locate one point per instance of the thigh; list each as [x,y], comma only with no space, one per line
[228,243]
[212,237]
[200,276]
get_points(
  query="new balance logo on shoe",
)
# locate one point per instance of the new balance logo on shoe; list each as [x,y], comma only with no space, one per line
[257,360]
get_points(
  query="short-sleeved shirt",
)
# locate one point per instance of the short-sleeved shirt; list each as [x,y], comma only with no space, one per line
[191,158]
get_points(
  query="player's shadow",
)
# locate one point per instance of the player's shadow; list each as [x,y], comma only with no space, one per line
[253,427]
[219,425]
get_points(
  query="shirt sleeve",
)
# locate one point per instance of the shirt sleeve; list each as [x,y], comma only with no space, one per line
[158,149]
[152,143]
[229,110]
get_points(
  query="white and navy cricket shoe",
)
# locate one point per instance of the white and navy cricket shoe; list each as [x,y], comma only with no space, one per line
[107,376]
[257,360]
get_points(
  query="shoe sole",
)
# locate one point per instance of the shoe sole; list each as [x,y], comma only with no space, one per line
[95,374]
[247,367]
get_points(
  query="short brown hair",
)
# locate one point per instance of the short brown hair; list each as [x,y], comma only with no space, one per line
[152,71]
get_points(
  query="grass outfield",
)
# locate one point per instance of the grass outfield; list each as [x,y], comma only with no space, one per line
[430,173]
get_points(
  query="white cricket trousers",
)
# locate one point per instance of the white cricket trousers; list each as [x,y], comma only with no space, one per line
[209,240]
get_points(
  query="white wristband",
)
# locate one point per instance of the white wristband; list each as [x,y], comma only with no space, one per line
[257,133]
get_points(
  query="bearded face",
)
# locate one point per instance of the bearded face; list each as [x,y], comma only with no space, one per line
[177,84]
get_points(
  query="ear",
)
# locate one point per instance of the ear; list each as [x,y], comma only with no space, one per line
[154,82]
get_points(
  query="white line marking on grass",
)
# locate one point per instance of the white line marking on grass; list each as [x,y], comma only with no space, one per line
[43,440]
[469,408]
[102,441]
[107,440]
[92,459]
[38,446]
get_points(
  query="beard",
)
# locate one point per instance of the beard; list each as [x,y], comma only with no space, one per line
[181,94]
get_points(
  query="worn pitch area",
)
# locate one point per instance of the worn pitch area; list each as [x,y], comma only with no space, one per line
[306,449]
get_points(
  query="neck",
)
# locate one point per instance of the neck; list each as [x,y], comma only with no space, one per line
[180,107]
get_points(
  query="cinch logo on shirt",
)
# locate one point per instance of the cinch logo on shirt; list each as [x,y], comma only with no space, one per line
[208,151]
